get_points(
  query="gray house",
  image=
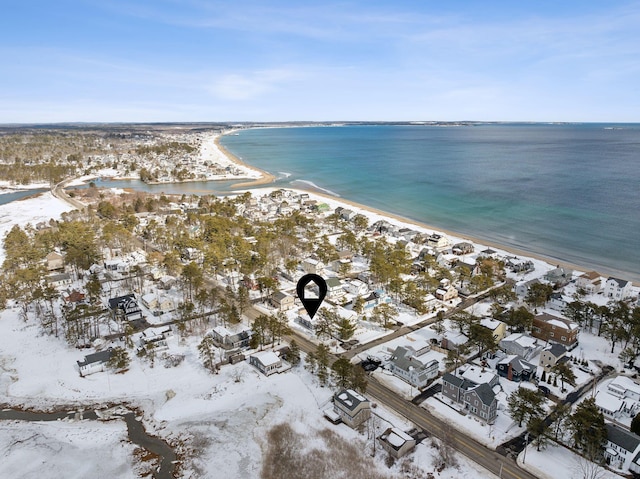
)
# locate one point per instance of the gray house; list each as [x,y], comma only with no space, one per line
[404,365]
[477,399]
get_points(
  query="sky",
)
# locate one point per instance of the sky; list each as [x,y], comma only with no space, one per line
[359,60]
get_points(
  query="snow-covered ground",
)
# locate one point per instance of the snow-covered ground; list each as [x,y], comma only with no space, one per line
[559,462]
[31,210]
[65,449]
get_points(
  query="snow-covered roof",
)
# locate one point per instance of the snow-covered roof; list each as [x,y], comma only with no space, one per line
[478,375]
[267,358]
[490,323]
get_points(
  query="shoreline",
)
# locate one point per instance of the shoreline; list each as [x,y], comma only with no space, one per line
[551,261]
[266,177]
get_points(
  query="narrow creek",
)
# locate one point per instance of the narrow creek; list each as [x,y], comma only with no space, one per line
[135,431]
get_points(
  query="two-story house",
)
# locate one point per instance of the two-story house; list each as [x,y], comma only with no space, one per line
[406,366]
[516,369]
[622,450]
[552,355]
[555,329]
[590,282]
[617,289]
[352,407]
[478,399]
[125,308]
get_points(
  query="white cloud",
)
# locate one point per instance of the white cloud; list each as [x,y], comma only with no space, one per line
[247,86]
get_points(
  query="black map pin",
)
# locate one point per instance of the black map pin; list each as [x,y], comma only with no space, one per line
[311,304]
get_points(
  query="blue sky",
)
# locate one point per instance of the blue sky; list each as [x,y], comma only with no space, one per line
[243,60]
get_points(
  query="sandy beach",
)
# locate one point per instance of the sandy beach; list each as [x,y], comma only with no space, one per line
[373,213]
[265,178]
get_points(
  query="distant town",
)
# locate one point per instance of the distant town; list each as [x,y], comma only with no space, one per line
[423,338]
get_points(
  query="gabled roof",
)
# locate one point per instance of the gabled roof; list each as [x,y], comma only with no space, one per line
[115,303]
[518,364]
[556,350]
[623,438]
[349,399]
[621,282]
[450,378]
[99,357]
[485,393]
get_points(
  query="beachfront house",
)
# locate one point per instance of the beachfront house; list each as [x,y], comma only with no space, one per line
[558,276]
[617,289]
[438,242]
[590,282]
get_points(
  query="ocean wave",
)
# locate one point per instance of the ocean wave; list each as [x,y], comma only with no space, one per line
[316,187]
[284,174]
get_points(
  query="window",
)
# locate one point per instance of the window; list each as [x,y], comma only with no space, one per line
[564,338]
[475,402]
[483,414]
[551,335]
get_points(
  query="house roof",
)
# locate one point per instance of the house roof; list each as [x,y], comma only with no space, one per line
[267,358]
[99,357]
[591,275]
[479,375]
[395,437]
[490,323]
[556,350]
[403,358]
[485,393]
[621,437]
[621,282]
[279,296]
[349,399]
[116,302]
[518,363]
[450,378]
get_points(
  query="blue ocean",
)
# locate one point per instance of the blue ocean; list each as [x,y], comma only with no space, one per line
[565,191]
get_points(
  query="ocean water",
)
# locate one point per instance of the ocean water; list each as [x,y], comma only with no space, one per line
[566,191]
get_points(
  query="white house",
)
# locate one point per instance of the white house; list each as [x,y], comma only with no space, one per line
[356,287]
[622,449]
[404,364]
[267,362]
[591,282]
[438,242]
[95,362]
[617,289]
[312,266]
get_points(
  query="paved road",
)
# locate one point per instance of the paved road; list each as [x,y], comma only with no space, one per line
[490,460]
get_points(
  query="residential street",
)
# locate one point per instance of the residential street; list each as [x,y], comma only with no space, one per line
[504,467]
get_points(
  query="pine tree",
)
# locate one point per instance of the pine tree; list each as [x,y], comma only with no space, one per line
[119,359]
[322,356]
[524,404]
[588,429]
[207,350]
[294,353]
[342,370]
[543,378]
